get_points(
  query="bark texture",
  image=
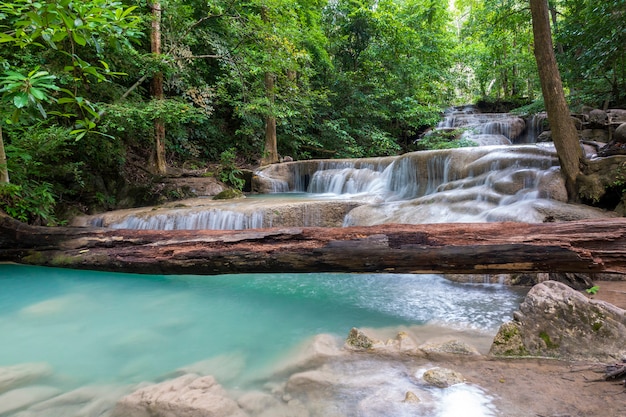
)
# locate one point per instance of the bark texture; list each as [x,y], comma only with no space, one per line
[157,90]
[564,132]
[270,150]
[582,246]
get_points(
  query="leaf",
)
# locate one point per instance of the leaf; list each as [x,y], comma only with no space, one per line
[20,100]
[37,93]
[79,39]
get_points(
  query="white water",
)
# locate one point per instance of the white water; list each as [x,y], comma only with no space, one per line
[478,184]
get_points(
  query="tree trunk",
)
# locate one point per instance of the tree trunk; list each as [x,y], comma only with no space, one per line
[479,248]
[4,169]
[564,132]
[270,151]
[157,91]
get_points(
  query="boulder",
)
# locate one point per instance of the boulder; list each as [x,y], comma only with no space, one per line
[554,320]
[620,133]
[443,377]
[598,118]
[187,396]
[617,115]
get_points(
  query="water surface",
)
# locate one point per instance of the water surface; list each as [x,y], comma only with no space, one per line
[101,328]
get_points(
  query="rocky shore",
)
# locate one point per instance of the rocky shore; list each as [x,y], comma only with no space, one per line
[417,371]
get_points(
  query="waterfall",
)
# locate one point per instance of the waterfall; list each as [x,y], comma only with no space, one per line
[215,219]
[477,184]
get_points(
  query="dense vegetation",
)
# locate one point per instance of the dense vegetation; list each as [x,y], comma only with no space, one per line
[85,89]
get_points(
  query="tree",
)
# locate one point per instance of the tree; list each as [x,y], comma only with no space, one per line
[564,132]
[593,38]
[157,90]
[64,48]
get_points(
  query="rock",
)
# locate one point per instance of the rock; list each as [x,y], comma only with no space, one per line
[311,354]
[577,281]
[89,401]
[617,115]
[357,340]
[411,398]
[223,367]
[443,377]
[229,194]
[187,396]
[508,341]
[598,118]
[620,134]
[556,321]
[454,347]
[20,398]
[595,135]
[545,136]
[14,376]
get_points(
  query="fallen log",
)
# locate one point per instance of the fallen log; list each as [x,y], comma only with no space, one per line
[589,246]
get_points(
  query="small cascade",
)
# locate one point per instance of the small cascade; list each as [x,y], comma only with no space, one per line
[536,125]
[214,219]
[476,184]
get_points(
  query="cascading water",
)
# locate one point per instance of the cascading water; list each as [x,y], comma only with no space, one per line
[476,184]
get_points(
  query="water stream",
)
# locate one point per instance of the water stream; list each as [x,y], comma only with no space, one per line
[94,329]
[79,340]
[507,178]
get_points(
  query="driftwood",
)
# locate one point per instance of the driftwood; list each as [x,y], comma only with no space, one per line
[478,248]
[616,372]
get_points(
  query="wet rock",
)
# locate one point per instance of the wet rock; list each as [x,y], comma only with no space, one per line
[556,321]
[229,194]
[17,375]
[452,347]
[223,367]
[411,398]
[311,354]
[186,396]
[357,340]
[443,377]
[20,398]
[260,404]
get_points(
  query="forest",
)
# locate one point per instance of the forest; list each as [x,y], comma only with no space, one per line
[101,96]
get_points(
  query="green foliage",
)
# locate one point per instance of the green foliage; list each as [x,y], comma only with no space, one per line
[443,140]
[228,171]
[592,39]
[24,90]
[593,290]
[32,202]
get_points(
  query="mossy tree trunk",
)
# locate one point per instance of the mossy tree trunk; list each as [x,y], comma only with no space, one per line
[564,132]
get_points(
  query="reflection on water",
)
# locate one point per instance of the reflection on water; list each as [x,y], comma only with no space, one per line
[105,328]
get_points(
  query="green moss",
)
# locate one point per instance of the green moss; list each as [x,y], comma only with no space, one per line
[596,326]
[546,339]
[34,258]
[228,194]
[62,260]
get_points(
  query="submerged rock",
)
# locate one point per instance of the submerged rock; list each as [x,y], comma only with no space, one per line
[556,321]
[17,375]
[187,396]
[20,398]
